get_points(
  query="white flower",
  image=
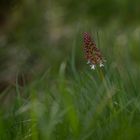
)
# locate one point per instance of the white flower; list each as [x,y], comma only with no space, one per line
[88,62]
[93,67]
[101,65]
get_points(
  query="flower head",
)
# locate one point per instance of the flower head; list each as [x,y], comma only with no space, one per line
[92,53]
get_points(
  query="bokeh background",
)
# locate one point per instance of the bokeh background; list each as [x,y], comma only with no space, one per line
[37,35]
[44,38]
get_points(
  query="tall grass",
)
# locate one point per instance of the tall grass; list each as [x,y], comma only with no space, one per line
[77,103]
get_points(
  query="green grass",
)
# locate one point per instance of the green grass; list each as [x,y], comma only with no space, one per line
[84,107]
[76,103]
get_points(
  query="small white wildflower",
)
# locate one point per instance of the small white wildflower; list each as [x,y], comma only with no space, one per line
[88,62]
[93,67]
[101,65]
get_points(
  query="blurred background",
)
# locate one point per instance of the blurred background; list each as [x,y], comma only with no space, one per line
[39,35]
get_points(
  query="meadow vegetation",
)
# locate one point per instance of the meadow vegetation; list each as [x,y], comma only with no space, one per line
[48,92]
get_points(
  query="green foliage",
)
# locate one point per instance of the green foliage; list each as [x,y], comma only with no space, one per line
[83,107]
